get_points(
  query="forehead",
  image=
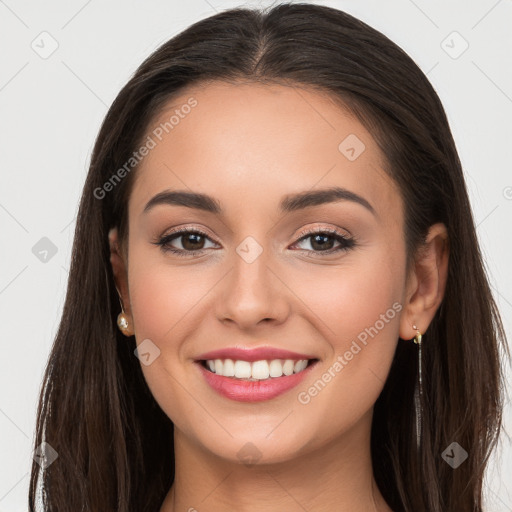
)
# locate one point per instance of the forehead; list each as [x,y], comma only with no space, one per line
[250,144]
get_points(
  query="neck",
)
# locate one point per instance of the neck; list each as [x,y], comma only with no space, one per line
[338,477]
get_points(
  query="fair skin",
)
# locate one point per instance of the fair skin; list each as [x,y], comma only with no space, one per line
[248,146]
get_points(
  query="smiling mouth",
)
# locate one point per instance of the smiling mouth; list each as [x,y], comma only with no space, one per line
[256,370]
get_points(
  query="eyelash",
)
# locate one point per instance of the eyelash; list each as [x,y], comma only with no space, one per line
[346,242]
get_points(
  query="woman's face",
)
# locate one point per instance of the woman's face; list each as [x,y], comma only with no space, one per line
[254,279]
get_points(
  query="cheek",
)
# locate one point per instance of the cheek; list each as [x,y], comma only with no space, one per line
[352,297]
[162,296]
[359,311]
[164,300]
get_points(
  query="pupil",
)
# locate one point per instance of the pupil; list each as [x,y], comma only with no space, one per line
[321,245]
[192,240]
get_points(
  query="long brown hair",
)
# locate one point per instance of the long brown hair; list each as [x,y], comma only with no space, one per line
[114,443]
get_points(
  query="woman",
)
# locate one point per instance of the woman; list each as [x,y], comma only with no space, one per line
[277,299]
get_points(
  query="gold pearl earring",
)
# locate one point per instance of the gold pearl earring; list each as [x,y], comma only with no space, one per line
[122,320]
[123,324]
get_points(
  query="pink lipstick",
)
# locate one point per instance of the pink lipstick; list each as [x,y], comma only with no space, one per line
[253,375]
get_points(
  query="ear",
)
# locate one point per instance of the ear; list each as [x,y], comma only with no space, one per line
[426,283]
[119,269]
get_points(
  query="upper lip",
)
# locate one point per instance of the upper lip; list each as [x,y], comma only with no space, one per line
[253,354]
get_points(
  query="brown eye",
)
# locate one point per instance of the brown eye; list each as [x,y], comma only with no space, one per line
[191,241]
[322,241]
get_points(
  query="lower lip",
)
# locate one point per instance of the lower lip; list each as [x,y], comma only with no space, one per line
[253,391]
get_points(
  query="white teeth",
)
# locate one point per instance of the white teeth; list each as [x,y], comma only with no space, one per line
[260,370]
[288,367]
[299,366]
[276,368]
[242,370]
[257,370]
[229,368]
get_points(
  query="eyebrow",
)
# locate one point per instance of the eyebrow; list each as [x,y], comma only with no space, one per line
[290,203]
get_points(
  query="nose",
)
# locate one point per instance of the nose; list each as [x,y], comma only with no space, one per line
[253,294]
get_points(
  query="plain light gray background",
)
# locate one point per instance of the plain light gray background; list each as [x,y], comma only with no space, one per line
[51,109]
